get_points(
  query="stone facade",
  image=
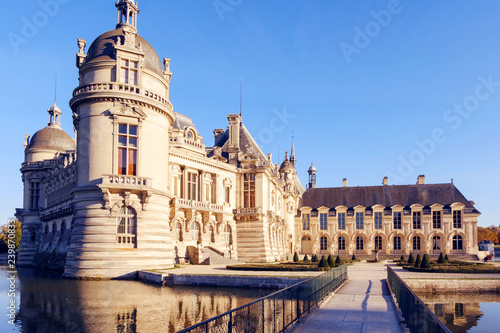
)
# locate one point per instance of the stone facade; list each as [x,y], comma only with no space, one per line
[141,189]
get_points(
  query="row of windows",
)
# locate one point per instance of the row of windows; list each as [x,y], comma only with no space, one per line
[416,242]
[417,220]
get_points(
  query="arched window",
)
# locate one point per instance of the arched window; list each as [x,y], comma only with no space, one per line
[228,236]
[195,232]
[416,243]
[397,243]
[341,243]
[32,234]
[323,243]
[54,227]
[46,231]
[212,234]
[306,238]
[178,232]
[457,242]
[359,243]
[126,226]
[63,227]
[378,243]
[436,241]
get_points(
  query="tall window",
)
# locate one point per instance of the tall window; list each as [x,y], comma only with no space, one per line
[228,237]
[127,226]
[417,220]
[341,243]
[359,221]
[128,72]
[378,243]
[306,225]
[195,232]
[436,219]
[323,242]
[341,220]
[227,194]
[397,220]
[249,190]
[397,243]
[323,223]
[212,234]
[178,232]
[192,186]
[378,220]
[359,243]
[436,241]
[457,219]
[35,195]
[416,243]
[457,242]
[127,149]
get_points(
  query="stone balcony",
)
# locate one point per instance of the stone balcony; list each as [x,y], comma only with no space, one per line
[124,181]
[255,212]
[197,205]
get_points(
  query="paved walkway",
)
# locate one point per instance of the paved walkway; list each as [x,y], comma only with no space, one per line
[363,304]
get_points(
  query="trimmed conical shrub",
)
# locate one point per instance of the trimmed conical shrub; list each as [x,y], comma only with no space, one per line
[314,258]
[446,258]
[306,258]
[353,257]
[323,263]
[402,258]
[441,259]
[411,259]
[295,257]
[338,260]
[418,261]
[426,262]
[330,260]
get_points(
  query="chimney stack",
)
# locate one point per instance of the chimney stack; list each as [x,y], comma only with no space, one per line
[344,182]
[218,132]
[385,181]
[421,180]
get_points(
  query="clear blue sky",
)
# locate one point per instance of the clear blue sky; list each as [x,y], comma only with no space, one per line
[370,88]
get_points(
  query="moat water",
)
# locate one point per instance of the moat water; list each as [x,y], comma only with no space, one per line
[45,303]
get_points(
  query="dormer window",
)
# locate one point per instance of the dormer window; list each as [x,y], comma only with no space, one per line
[129,72]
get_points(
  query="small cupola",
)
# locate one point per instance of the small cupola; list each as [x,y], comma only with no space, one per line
[127,13]
[54,116]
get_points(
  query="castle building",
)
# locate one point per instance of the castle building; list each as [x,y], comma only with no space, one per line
[140,189]
[388,219]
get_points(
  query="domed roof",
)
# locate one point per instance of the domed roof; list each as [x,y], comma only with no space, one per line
[312,169]
[51,138]
[286,165]
[102,49]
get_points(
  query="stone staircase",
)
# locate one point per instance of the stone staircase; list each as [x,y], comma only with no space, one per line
[212,256]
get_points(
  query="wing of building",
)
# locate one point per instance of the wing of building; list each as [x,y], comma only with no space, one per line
[390,219]
[139,188]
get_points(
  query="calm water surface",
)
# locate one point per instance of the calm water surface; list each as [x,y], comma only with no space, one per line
[44,303]
[466,312]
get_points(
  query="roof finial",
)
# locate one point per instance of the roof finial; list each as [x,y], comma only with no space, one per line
[55,90]
[293,159]
[241,98]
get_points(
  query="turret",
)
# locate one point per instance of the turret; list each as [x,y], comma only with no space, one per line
[312,176]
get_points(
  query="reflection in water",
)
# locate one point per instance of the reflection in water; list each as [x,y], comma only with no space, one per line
[465,312]
[55,305]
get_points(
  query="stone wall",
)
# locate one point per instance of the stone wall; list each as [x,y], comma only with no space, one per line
[453,286]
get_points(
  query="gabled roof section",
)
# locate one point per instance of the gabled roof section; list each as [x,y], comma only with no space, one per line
[388,196]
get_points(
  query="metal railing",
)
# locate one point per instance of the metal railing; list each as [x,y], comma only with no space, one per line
[278,311]
[419,318]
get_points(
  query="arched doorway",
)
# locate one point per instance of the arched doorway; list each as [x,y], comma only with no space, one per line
[306,245]
[436,244]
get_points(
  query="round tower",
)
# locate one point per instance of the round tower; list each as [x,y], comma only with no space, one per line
[122,115]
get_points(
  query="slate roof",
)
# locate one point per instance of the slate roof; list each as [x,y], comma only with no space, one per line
[389,195]
[245,139]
